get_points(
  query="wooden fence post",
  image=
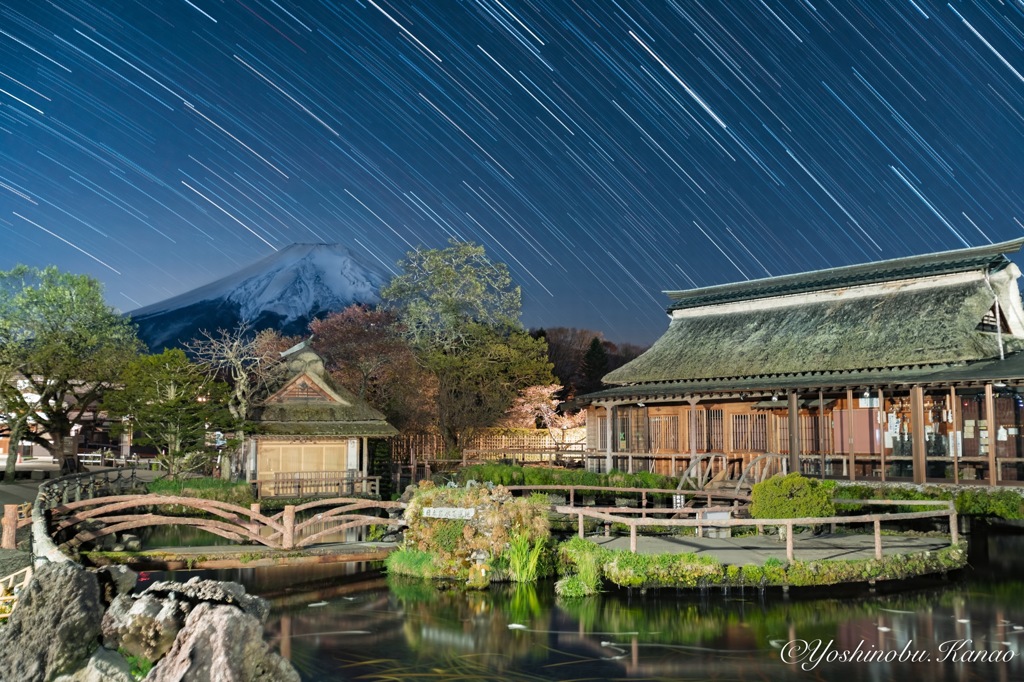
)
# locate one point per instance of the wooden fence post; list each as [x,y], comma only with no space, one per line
[254,525]
[878,537]
[10,526]
[789,541]
[581,524]
[954,531]
[288,520]
[632,538]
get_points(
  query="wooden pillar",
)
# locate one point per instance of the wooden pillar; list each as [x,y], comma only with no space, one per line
[821,433]
[10,526]
[881,434]
[693,427]
[850,458]
[288,521]
[610,430]
[990,421]
[794,433]
[917,432]
[366,460]
[954,442]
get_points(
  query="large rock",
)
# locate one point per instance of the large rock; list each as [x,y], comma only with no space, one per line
[144,627]
[222,643]
[104,666]
[115,580]
[197,591]
[56,625]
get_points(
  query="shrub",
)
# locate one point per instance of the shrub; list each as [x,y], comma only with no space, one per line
[790,497]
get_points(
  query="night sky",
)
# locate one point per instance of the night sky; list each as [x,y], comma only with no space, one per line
[605,150]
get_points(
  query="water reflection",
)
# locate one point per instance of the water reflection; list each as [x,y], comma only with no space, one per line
[412,631]
[337,626]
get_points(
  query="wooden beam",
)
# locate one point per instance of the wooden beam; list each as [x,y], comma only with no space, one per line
[917,433]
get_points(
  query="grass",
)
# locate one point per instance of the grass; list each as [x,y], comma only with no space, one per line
[524,558]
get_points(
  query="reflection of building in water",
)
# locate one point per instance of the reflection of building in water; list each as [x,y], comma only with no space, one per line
[905,369]
[414,631]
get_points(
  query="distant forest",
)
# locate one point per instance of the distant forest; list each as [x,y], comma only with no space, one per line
[582,356]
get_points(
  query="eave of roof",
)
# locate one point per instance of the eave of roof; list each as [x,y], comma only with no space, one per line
[1009,370]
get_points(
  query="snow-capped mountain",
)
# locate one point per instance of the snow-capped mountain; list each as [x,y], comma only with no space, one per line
[284,290]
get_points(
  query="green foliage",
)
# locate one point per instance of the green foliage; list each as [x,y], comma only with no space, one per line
[61,340]
[140,666]
[411,562]
[461,313]
[977,501]
[580,562]
[448,534]
[167,401]
[498,520]
[790,497]
[442,292]
[594,366]
[1006,504]
[509,474]
[206,488]
[654,570]
[524,558]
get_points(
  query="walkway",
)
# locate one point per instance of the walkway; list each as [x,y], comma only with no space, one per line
[755,549]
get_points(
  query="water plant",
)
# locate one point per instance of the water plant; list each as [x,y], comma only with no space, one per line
[524,558]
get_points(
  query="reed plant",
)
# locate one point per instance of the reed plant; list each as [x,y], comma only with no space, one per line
[524,558]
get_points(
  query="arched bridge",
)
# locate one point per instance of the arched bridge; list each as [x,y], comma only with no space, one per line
[89,507]
[76,523]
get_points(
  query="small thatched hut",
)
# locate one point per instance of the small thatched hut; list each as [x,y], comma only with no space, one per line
[314,435]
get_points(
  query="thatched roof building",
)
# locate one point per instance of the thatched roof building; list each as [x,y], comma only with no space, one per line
[932,323]
[313,435]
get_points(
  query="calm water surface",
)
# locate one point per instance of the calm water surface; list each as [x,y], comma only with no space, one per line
[353,624]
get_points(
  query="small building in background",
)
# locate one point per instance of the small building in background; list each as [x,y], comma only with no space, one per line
[313,437]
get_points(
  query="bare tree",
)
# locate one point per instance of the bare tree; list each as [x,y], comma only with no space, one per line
[249,363]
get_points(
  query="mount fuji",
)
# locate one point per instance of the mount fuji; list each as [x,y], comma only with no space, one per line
[284,291]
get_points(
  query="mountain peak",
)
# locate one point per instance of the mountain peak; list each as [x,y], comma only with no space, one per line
[284,290]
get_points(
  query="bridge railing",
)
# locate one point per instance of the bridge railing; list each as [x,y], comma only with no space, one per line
[946,510]
[91,519]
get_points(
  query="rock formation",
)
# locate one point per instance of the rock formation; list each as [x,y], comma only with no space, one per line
[196,631]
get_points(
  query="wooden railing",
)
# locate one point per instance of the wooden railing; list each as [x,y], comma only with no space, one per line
[284,530]
[10,587]
[948,510]
[681,499]
[317,484]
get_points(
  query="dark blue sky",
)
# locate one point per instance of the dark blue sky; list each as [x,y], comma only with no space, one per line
[605,150]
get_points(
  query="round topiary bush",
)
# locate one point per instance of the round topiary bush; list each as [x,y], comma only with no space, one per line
[791,497]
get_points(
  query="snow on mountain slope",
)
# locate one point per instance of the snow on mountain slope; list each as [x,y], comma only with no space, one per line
[284,290]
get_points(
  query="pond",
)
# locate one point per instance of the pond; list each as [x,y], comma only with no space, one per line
[344,623]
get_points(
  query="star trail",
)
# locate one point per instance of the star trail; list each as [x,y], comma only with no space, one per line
[604,150]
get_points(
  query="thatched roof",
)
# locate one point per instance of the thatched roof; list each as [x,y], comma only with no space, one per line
[928,319]
[310,404]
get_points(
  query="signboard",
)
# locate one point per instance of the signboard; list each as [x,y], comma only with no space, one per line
[449,512]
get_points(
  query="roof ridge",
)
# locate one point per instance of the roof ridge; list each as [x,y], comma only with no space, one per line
[989,256]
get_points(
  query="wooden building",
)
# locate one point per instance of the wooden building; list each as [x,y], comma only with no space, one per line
[314,436]
[906,369]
